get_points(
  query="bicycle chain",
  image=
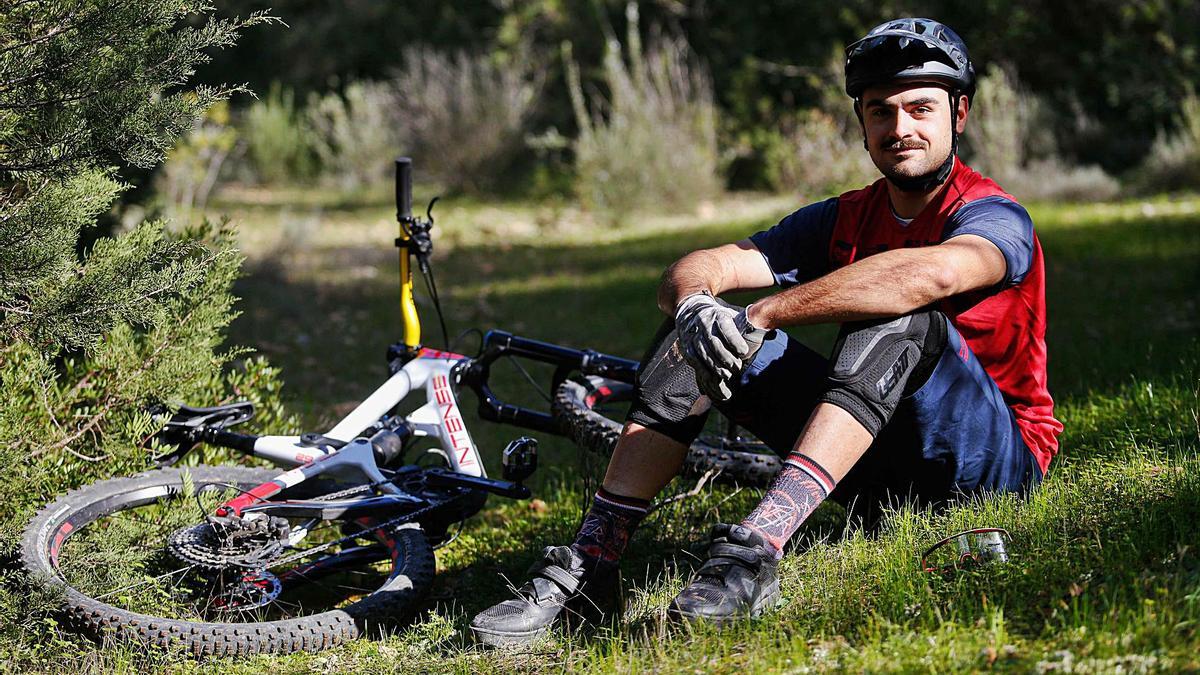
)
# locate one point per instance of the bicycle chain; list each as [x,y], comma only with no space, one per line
[188,545]
[398,520]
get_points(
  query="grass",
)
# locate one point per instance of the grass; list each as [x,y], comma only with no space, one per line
[1105,570]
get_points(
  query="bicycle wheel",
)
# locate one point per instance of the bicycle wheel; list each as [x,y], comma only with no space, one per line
[589,412]
[106,546]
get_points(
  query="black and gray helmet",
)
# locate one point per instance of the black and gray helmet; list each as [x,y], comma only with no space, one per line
[919,50]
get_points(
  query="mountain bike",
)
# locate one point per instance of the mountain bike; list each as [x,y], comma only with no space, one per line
[224,560]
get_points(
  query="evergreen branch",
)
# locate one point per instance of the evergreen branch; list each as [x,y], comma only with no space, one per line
[88,426]
[58,30]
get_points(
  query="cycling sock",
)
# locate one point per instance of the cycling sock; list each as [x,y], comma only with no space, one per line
[608,526]
[799,487]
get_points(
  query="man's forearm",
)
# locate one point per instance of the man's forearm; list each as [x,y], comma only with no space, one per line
[690,274]
[886,284]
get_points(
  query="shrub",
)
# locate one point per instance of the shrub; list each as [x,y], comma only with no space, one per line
[95,326]
[1009,139]
[1174,160]
[815,155]
[463,115]
[279,142]
[652,143]
[355,139]
[195,163]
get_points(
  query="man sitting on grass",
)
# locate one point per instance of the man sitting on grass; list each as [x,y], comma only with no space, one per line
[936,386]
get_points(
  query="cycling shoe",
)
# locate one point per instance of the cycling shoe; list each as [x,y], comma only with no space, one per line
[564,588]
[739,579]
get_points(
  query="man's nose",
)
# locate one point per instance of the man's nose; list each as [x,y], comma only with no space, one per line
[902,124]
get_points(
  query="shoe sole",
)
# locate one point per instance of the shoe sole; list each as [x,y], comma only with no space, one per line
[766,600]
[491,638]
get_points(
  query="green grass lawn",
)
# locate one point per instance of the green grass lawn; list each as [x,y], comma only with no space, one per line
[1105,559]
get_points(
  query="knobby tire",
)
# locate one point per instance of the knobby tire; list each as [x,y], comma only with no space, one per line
[410,572]
[578,407]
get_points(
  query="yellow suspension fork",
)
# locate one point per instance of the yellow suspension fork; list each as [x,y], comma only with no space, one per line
[408,307]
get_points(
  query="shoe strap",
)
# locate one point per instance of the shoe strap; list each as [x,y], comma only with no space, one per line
[715,567]
[560,576]
[742,554]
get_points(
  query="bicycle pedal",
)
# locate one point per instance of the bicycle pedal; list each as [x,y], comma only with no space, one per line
[519,459]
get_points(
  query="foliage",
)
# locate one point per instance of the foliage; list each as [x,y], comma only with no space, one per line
[92,332]
[1174,159]
[83,84]
[354,136]
[1008,138]
[85,415]
[1125,68]
[279,142]
[815,156]
[194,165]
[652,142]
[465,115]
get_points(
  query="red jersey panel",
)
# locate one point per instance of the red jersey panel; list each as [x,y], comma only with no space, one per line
[1005,328]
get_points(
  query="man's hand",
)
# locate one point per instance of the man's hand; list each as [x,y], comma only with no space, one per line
[717,340]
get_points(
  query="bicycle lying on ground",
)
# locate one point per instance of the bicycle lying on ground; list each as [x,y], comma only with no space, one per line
[222,560]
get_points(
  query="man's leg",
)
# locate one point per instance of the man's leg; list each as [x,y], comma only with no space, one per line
[873,365]
[667,414]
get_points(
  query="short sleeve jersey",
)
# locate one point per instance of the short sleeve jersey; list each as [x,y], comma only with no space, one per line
[1005,325]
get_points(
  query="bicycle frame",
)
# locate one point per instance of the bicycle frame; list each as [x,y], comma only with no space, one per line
[347,450]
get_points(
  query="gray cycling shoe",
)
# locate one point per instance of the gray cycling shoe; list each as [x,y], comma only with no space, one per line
[563,589]
[739,579]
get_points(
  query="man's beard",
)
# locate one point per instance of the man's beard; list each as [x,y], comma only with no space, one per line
[909,169]
[911,178]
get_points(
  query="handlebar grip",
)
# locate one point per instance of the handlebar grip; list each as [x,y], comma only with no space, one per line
[403,188]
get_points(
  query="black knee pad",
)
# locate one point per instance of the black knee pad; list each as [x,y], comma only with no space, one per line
[875,363]
[666,393]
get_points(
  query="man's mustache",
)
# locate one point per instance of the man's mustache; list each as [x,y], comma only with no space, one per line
[901,144]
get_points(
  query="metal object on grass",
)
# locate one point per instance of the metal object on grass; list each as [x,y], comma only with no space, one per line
[974,546]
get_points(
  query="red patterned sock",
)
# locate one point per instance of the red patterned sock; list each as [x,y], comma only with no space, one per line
[608,526]
[796,491]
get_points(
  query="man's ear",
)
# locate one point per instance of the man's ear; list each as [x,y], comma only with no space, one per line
[960,115]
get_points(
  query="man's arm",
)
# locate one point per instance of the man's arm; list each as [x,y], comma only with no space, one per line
[886,284]
[732,267]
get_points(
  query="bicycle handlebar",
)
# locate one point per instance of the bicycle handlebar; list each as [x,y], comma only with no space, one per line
[403,188]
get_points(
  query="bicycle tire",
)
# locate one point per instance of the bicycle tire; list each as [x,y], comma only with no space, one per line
[411,571]
[575,406]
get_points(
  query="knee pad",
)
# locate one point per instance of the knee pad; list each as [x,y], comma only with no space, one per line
[876,363]
[666,396]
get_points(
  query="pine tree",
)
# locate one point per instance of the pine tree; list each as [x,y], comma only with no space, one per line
[89,335]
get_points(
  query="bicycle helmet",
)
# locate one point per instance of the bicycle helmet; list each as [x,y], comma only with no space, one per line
[918,50]
[912,50]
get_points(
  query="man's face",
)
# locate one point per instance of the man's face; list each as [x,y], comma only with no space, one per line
[907,127]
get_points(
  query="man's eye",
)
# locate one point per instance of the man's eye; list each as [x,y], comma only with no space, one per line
[924,109]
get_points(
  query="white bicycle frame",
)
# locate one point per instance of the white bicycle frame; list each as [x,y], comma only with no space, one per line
[439,418]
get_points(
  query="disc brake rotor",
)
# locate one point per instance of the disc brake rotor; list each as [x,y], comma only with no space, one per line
[245,591]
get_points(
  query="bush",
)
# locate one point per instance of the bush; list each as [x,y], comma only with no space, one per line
[279,142]
[94,327]
[464,116]
[355,138]
[195,163]
[652,143]
[1009,138]
[814,155]
[1174,160]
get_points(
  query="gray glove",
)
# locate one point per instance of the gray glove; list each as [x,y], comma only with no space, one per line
[717,340]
